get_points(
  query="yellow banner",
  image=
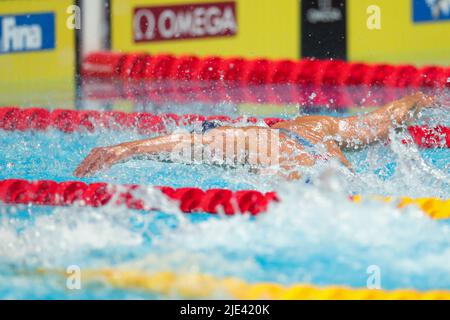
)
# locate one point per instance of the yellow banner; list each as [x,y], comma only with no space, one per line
[37,53]
[249,28]
[390,31]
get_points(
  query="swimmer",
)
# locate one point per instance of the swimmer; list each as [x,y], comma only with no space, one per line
[302,141]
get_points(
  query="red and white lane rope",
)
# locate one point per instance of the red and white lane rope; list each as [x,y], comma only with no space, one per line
[14,118]
[260,71]
[47,192]
[210,79]
[213,201]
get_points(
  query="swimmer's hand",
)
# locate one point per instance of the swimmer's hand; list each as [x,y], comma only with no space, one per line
[100,159]
[415,103]
[419,100]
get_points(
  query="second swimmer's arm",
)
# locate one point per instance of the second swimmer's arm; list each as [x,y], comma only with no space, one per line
[375,126]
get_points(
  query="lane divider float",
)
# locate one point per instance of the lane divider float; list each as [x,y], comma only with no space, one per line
[213,201]
[112,65]
[308,82]
[203,286]
[51,193]
[39,119]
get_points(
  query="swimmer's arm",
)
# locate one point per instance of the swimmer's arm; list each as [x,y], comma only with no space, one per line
[289,167]
[366,129]
[334,150]
[104,157]
[159,144]
[289,171]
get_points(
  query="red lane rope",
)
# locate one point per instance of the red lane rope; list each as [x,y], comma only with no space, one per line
[260,71]
[332,83]
[14,118]
[47,192]
[213,201]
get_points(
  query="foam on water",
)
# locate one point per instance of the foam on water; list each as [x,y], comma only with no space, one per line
[323,238]
[314,235]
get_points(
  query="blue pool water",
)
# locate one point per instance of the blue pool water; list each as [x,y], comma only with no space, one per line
[315,235]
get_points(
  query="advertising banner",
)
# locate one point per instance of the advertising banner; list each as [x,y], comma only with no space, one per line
[323,29]
[37,53]
[250,28]
[400,31]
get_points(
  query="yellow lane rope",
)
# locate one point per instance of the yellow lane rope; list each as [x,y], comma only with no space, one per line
[202,286]
[434,207]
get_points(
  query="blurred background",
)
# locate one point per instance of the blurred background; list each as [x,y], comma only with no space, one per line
[44,43]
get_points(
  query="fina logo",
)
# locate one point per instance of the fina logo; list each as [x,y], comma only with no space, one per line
[325,13]
[32,32]
[439,7]
[431,10]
